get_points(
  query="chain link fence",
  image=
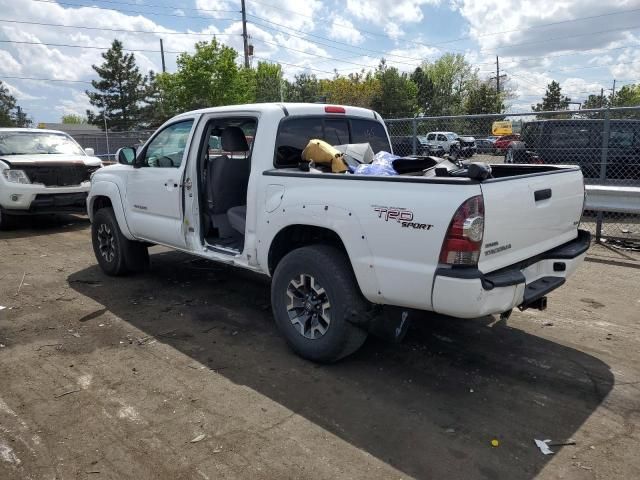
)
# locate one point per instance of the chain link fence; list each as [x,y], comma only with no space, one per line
[605,143]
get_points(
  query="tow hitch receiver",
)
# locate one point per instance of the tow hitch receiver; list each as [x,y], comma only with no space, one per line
[538,304]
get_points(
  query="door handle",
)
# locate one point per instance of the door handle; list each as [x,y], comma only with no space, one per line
[542,194]
[171,183]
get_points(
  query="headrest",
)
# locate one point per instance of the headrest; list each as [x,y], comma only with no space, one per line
[233,140]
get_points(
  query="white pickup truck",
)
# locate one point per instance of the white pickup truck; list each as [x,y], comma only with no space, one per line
[228,184]
[42,172]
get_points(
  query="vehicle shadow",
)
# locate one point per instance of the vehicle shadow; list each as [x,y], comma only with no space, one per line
[430,406]
[36,225]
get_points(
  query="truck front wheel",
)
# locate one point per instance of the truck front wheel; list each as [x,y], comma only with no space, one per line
[6,221]
[116,254]
[316,303]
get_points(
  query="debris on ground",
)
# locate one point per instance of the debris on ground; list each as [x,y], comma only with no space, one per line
[198,438]
[495,443]
[544,445]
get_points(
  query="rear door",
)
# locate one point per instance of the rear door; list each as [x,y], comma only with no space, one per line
[154,189]
[528,215]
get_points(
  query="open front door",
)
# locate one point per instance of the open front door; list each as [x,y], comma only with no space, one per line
[155,191]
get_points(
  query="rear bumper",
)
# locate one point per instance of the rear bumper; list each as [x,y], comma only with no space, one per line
[469,293]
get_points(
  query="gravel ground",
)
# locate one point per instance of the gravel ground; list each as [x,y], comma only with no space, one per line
[180,374]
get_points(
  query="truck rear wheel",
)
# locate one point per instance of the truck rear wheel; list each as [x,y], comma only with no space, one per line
[315,301]
[116,254]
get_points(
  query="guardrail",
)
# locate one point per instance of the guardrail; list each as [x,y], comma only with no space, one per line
[611,199]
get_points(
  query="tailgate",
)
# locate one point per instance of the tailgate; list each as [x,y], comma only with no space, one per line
[528,215]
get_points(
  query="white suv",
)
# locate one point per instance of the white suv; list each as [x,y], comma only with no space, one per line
[452,143]
[42,172]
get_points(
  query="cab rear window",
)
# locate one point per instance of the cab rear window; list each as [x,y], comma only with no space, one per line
[294,134]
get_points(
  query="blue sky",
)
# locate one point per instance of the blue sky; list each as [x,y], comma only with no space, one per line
[584,44]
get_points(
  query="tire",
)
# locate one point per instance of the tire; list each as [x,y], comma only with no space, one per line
[516,153]
[325,272]
[7,222]
[116,254]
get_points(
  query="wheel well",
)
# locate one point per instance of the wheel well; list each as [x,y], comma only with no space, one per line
[296,236]
[101,202]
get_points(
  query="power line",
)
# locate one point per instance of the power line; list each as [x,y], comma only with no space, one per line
[542,25]
[90,47]
[568,54]
[106,29]
[313,54]
[293,65]
[151,5]
[44,79]
[436,44]
[385,54]
[632,27]
[209,18]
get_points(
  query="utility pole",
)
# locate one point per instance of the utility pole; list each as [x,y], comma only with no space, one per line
[498,77]
[245,39]
[164,69]
[613,92]
[601,97]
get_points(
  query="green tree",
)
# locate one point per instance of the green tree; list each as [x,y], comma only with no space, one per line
[442,86]
[21,119]
[120,91]
[481,97]
[11,114]
[357,89]
[305,88]
[553,99]
[209,77]
[627,96]
[269,82]
[7,104]
[397,95]
[73,119]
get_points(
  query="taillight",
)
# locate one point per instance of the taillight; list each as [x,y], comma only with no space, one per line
[463,241]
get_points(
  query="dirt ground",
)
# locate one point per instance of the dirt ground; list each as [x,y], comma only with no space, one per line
[179,373]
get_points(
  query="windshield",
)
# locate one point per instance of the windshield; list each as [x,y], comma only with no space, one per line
[25,143]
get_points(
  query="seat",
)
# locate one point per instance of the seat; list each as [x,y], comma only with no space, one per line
[238,218]
[227,180]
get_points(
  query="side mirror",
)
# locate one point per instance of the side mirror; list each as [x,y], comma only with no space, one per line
[126,155]
[89,151]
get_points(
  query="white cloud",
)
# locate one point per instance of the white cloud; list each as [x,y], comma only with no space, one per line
[78,104]
[17,93]
[393,30]
[379,12]
[10,65]
[179,12]
[343,29]
[524,24]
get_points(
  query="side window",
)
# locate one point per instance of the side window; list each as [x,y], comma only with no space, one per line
[167,148]
[371,132]
[431,137]
[442,138]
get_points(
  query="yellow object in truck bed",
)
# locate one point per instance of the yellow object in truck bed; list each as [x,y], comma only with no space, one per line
[322,153]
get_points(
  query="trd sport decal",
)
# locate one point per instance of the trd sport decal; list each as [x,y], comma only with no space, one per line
[401,215]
